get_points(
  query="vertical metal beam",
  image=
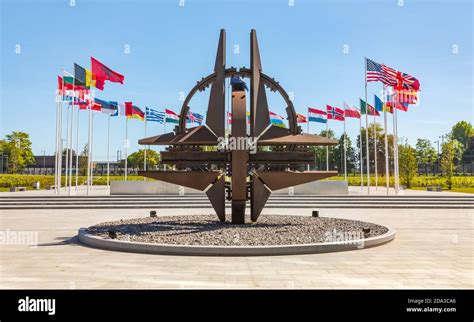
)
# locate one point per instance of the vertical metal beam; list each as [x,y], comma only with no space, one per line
[239,157]
[259,117]
[216,107]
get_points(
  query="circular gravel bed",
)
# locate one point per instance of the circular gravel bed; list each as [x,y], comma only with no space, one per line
[206,230]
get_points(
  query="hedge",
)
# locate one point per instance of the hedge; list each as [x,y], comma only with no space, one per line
[18,180]
[27,180]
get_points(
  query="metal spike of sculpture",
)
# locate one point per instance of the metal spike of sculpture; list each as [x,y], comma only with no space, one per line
[237,174]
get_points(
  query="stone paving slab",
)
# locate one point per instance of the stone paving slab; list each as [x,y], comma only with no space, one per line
[432,249]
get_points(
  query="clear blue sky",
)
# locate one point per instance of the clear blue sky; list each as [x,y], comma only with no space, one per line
[171,47]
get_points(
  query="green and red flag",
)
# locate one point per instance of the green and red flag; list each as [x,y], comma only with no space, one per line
[371,109]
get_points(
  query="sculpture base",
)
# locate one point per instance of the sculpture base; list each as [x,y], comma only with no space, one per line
[203,235]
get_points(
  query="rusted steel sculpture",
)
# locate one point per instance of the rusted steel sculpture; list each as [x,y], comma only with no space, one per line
[243,172]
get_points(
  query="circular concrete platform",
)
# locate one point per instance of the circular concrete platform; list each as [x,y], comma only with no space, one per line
[199,235]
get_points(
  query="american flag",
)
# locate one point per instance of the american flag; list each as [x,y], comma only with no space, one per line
[335,113]
[378,72]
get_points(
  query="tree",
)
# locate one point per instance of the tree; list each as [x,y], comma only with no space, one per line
[136,159]
[425,153]
[350,154]
[461,132]
[451,153]
[83,160]
[3,154]
[407,163]
[18,147]
[69,151]
[320,153]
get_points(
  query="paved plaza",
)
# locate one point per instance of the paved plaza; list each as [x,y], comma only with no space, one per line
[433,248]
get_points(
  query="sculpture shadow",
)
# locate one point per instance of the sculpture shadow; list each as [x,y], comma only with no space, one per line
[180,227]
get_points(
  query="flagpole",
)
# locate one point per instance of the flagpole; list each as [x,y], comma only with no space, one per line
[367,129]
[89,144]
[361,161]
[92,151]
[146,147]
[108,151]
[327,148]
[71,144]
[307,120]
[126,147]
[387,172]
[397,187]
[66,173]
[344,142]
[60,143]
[77,148]
[375,152]
[56,147]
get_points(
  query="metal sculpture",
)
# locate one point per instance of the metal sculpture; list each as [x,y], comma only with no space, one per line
[235,173]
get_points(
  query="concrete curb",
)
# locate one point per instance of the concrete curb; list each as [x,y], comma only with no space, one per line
[190,250]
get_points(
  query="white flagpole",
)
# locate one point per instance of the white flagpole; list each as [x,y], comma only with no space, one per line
[146,147]
[361,161]
[345,143]
[164,131]
[327,148]
[126,146]
[387,172]
[108,152]
[57,144]
[60,138]
[77,148]
[307,126]
[387,169]
[394,148]
[89,139]
[92,151]
[375,153]
[71,145]
[367,129]
[307,120]
[66,172]
[397,180]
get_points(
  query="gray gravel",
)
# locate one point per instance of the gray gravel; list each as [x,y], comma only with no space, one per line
[206,230]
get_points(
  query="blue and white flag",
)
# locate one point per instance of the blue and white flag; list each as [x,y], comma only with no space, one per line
[154,116]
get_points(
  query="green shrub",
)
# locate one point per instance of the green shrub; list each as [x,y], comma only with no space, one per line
[27,180]
[418,181]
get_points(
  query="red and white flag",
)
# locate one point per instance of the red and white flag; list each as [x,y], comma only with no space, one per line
[351,111]
[335,113]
